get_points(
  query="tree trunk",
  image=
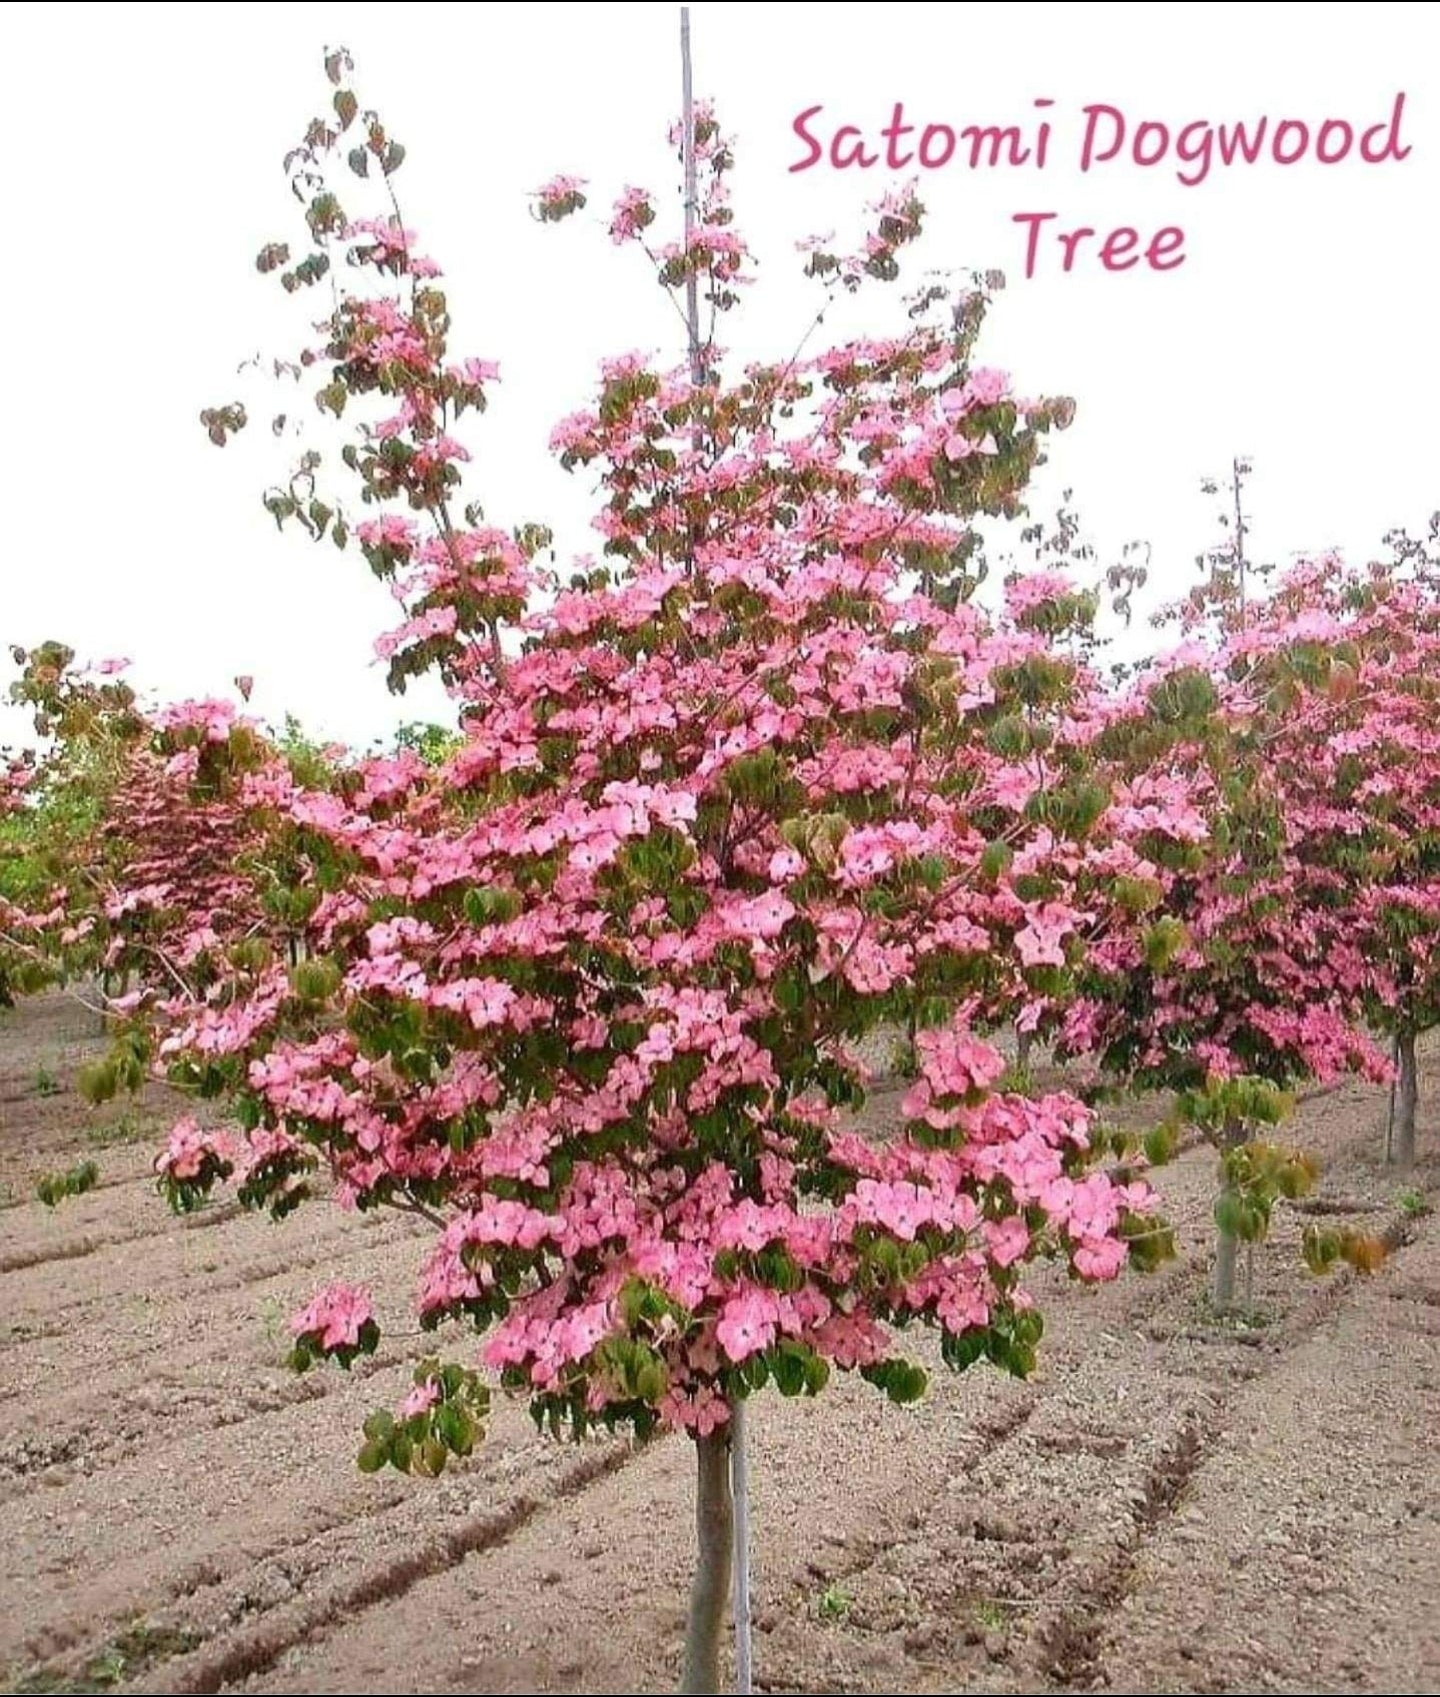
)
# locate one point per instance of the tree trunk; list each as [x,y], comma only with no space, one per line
[1227,1245]
[1227,1249]
[1024,1047]
[1402,1148]
[740,1495]
[715,1538]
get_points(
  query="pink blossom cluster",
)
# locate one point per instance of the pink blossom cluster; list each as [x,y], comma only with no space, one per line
[335,1318]
[632,214]
[190,1148]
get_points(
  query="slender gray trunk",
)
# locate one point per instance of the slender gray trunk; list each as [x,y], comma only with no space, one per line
[1227,1245]
[740,1492]
[1407,1096]
[715,1541]
[714,1501]
[1227,1251]
[1024,1047]
[692,195]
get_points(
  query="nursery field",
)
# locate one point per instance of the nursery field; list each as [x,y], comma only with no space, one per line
[1169,1505]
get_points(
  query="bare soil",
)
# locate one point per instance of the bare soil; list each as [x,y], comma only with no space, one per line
[1169,1505]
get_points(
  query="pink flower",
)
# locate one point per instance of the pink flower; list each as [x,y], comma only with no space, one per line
[1099,1258]
[701,1411]
[1039,940]
[335,1317]
[785,864]
[902,1208]
[420,1400]
[954,1062]
[986,386]
[632,213]
[1036,588]
[559,198]
[189,1147]
[747,1323]
[1006,1240]
[558,187]
[750,1226]
[764,916]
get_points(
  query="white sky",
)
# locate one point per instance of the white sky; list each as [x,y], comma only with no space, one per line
[144,173]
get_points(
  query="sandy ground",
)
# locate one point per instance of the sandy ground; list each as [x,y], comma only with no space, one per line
[1168,1505]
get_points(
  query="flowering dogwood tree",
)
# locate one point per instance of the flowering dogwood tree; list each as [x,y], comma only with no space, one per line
[588,994]
[19,876]
[1354,742]
[53,807]
[1248,981]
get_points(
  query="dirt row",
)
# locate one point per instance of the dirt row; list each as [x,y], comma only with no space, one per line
[1169,1505]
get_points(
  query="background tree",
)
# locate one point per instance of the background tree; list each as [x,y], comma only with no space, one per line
[53,807]
[1354,742]
[1243,986]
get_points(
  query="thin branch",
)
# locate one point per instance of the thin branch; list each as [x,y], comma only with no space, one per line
[408,1205]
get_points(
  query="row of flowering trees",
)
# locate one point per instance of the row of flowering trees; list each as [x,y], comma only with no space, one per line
[589,990]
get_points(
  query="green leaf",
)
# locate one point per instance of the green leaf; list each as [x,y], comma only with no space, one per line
[1320,1248]
[1159,1145]
[1229,1212]
[788,1370]
[379,1426]
[995,862]
[650,1382]
[902,1381]
[98,1082]
[906,1383]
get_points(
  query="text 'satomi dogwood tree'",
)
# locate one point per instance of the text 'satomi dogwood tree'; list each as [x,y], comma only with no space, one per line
[755,783]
